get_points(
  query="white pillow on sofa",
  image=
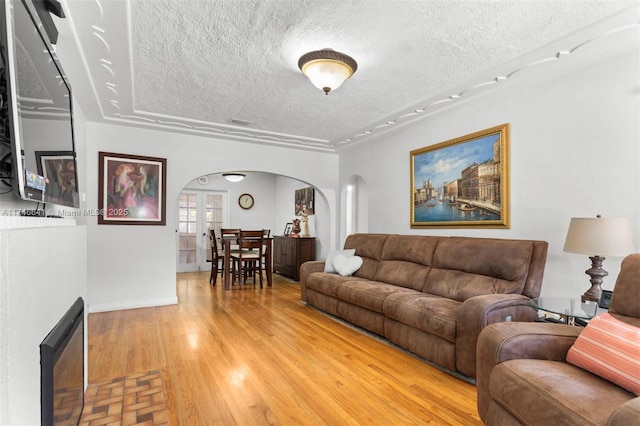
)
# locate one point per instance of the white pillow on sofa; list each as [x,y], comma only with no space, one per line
[328,263]
[346,265]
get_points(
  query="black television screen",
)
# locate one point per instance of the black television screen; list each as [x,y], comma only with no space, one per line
[39,121]
[62,369]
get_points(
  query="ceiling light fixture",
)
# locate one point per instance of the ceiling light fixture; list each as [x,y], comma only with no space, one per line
[327,69]
[234,176]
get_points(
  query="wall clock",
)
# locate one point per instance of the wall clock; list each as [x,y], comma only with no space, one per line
[246,201]
[203,180]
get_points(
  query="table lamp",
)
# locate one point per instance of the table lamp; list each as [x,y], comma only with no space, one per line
[598,237]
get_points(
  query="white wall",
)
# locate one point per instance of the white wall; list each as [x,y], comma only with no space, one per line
[261,186]
[320,223]
[42,272]
[273,195]
[274,204]
[575,151]
[134,266]
[570,139]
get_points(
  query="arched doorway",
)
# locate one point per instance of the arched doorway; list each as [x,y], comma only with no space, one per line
[214,201]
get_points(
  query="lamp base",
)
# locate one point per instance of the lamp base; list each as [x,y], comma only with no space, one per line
[597,274]
[585,298]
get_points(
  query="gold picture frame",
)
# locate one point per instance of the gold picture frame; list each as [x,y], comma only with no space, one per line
[462,181]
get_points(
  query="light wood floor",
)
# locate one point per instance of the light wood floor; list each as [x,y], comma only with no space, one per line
[259,356]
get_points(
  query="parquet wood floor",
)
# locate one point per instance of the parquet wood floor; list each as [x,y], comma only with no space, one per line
[136,399]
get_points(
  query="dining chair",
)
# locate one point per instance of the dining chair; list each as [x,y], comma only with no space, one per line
[247,260]
[229,232]
[266,234]
[217,258]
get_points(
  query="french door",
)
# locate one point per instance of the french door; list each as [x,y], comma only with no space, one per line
[198,212]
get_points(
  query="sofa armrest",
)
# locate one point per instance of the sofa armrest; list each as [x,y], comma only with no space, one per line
[305,269]
[517,340]
[627,414]
[476,313]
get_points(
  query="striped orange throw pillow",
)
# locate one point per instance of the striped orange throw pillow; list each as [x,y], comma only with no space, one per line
[610,349]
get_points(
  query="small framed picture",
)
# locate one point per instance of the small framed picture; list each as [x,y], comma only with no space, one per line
[304,201]
[59,171]
[605,299]
[287,229]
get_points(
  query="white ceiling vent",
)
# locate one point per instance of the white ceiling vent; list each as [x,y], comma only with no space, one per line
[240,122]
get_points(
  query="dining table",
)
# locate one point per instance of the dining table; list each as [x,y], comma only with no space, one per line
[227,241]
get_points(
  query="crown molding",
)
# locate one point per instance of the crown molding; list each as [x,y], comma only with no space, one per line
[115,94]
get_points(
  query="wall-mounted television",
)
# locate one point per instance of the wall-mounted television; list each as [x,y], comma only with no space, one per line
[36,111]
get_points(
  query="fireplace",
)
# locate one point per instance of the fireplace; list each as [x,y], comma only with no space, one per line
[62,369]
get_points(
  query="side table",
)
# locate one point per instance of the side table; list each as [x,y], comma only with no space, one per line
[567,308]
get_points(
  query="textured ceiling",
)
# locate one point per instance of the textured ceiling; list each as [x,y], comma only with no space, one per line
[195,65]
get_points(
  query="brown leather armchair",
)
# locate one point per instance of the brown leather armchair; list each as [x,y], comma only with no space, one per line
[523,377]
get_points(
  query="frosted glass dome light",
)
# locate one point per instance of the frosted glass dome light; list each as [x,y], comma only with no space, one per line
[327,69]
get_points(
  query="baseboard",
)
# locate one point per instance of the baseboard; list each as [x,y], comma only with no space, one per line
[132,304]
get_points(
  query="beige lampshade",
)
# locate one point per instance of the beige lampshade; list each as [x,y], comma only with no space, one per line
[598,236]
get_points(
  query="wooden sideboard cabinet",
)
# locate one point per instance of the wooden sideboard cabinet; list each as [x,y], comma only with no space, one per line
[290,253]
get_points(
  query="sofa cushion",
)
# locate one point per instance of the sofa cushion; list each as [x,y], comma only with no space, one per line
[410,248]
[554,392]
[610,349]
[460,285]
[328,262]
[625,297]
[326,283]
[404,274]
[406,260]
[465,267]
[368,294]
[369,248]
[426,312]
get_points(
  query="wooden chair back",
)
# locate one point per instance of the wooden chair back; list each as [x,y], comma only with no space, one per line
[215,257]
[214,245]
[233,233]
[248,258]
[251,240]
[229,232]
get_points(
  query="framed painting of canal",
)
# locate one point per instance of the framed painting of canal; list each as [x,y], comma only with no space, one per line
[131,189]
[462,182]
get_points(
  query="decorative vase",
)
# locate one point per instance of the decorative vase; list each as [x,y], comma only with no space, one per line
[295,232]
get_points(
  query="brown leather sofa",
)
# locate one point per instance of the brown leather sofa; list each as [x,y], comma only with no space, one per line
[523,377]
[431,295]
